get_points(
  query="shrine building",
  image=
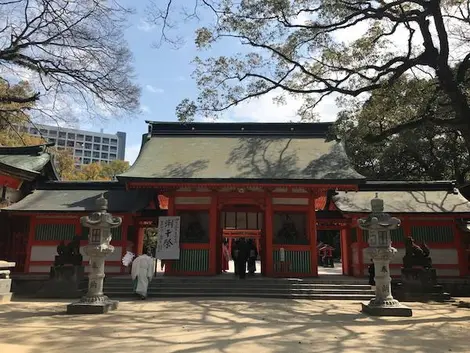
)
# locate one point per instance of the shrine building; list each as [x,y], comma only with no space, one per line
[281,184]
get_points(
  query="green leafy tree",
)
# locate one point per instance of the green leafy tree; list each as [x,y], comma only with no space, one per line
[113,168]
[421,152]
[296,47]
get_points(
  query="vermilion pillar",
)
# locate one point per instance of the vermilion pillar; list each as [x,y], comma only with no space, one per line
[345,234]
[360,249]
[312,229]
[213,250]
[461,251]
[268,257]
[140,241]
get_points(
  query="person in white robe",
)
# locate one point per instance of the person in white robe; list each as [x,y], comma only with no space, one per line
[143,269]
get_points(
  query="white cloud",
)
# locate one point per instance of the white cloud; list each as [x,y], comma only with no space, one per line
[265,109]
[132,152]
[145,26]
[145,109]
[154,89]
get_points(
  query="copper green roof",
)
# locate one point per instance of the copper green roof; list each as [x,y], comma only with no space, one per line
[417,201]
[81,197]
[27,162]
[241,152]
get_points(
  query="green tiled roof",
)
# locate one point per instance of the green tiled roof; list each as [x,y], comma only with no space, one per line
[403,201]
[250,157]
[82,201]
[28,160]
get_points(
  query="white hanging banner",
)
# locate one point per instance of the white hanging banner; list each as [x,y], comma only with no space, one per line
[168,244]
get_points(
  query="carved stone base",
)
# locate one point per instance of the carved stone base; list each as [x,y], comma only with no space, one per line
[92,305]
[65,282]
[396,309]
[5,297]
[420,284]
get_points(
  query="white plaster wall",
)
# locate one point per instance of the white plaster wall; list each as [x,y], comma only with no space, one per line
[439,256]
[39,269]
[289,201]
[355,256]
[447,272]
[13,195]
[115,256]
[192,200]
[43,253]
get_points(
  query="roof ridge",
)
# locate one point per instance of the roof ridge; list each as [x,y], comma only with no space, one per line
[317,129]
[25,150]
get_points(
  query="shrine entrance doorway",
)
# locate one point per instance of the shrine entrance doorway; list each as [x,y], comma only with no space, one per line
[236,223]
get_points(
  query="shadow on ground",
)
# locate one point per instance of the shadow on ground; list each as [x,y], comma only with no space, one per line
[257,325]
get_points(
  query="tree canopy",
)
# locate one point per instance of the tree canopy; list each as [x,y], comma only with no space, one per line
[311,49]
[73,51]
[421,152]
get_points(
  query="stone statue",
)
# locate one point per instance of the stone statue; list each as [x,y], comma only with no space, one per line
[69,254]
[415,255]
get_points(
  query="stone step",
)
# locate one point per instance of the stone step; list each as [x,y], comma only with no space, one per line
[247,290]
[225,295]
[242,284]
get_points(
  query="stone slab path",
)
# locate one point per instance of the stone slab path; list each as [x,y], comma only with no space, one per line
[256,325]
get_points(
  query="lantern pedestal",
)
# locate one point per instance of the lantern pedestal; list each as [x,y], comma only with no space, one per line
[100,306]
[386,310]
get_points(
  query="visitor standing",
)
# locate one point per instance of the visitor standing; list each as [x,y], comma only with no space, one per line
[225,256]
[143,269]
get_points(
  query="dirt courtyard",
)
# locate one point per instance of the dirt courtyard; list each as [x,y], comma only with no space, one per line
[252,325]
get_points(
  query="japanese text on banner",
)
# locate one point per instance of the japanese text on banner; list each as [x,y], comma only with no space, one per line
[168,244]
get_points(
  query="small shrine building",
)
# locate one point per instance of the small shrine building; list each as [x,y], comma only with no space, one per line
[281,184]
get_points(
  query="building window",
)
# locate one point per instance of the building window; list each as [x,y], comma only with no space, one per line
[105,148]
[62,134]
[52,133]
[79,144]
[88,138]
[96,147]
[87,153]
[96,155]
[106,140]
[80,137]
[52,140]
[290,228]
[95,160]
[86,160]
[43,131]
[113,149]
[61,142]
[70,143]
[88,146]
[97,139]
[113,142]
[71,136]
[112,156]
[78,152]
[104,155]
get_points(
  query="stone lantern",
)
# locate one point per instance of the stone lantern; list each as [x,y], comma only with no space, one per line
[380,250]
[98,248]
[5,281]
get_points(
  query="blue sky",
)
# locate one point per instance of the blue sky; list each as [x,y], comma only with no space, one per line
[164,75]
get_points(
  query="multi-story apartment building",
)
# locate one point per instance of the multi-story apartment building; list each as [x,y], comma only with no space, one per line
[86,146]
